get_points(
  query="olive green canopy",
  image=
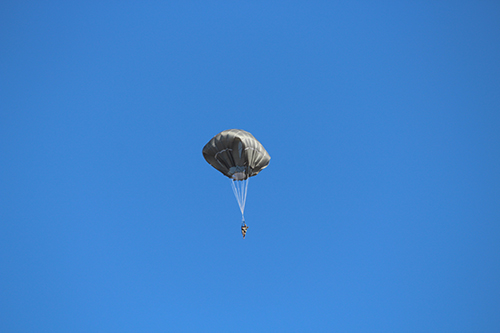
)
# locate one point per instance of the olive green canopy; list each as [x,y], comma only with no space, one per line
[236,153]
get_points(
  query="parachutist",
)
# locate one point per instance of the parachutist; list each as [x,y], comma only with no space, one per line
[244,229]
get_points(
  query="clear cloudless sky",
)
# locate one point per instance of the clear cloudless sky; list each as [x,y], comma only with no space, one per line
[379,211]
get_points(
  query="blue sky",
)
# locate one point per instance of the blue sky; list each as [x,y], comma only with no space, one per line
[379,211]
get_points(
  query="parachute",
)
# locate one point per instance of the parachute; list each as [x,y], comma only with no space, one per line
[238,156]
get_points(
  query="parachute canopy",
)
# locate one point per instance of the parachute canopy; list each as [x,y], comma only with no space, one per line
[236,153]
